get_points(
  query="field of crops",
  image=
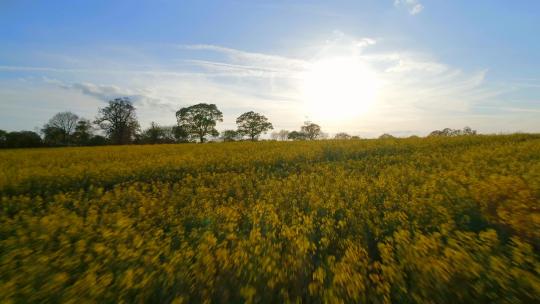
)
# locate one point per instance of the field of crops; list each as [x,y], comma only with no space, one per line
[399,220]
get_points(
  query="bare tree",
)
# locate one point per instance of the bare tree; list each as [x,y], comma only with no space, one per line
[60,128]
[283,134]
[119,121]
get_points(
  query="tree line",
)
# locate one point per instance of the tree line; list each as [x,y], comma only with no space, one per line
[197,123]
[117,124]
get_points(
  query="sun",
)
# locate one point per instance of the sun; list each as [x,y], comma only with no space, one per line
[338,88]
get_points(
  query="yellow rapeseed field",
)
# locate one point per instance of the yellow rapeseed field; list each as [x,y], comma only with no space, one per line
[429,220]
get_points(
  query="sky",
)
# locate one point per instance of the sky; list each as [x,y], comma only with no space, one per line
[404,67]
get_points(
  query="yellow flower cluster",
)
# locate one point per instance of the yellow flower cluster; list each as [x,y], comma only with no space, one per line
[430,220]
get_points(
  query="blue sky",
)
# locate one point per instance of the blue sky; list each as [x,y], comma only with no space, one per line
[417,65]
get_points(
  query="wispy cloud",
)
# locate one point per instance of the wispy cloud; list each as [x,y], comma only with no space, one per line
[418,92]
[101,92]
[415,86]
[260,59]
[365,42]
[222,69]
[413,6]
[140,97]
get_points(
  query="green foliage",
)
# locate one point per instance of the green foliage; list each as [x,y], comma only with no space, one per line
[415,220]
[97,140]
[295,135]
[311,130]
[83,132]
[253,124]
[53,136]
[180,134]
[230,135]
[453,132]
[156,134]
[22,139]
[199,120]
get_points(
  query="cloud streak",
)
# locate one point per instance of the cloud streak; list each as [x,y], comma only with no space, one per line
[260,59]
[413,6]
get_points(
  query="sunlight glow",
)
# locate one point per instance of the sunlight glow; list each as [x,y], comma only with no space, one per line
[339,88]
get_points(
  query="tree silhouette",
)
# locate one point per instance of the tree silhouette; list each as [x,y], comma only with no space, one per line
[180,134]
[253,125]
[83,132]
[23,139]
[119,120]
[60,127]
[199,120]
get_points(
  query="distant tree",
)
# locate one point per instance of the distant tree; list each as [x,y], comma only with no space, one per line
[60,127]
[153,135]
[448,132]
[23,139]
[199,120]
[230,135]
[468,131]
[435,133]
[311,130]
[83,132]
[280,135]
[3,139]
[295,135]
[119,121]
[253,124]
[283,134]
[342,135]
[386,136]
[156,134]
[355,137]
[168,134]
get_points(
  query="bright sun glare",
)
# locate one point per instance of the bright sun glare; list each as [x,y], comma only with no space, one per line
[339,88]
